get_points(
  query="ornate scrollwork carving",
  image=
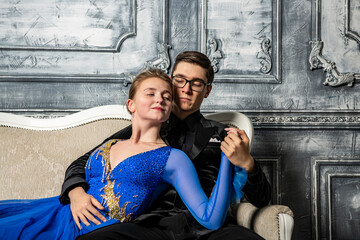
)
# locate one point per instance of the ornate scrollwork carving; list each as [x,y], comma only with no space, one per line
[162,61]
[128,78]
[333,77]
[214,54]
[265,56]
[311,119]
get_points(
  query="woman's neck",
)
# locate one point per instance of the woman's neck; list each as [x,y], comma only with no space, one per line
[146,133]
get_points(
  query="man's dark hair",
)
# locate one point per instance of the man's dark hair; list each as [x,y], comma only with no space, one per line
[196,58]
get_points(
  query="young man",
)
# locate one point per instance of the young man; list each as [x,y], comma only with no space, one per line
[201,140]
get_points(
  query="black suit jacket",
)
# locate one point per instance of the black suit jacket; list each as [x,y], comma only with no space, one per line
[205,154]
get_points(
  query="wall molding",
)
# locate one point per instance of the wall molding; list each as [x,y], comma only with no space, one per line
[302,119]
[330,178]
[41,44]
[270,66]
[348,30]
[335,167]
[162,61]
[274,164]
[333,77]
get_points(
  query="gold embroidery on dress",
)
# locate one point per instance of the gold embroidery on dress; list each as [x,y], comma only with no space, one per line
[115,211]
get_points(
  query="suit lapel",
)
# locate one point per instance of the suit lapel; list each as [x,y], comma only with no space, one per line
[202,138]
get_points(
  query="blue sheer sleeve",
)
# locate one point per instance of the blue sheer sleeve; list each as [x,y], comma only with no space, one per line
[209,212]
[239,181]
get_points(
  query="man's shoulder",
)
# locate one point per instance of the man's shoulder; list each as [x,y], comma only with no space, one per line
[212,123]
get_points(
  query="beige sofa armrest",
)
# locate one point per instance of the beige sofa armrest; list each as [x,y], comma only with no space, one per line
[244,213]
[273,222]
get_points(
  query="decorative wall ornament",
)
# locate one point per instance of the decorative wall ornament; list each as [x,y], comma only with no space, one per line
[302,119]
[308,120]
[214,54]
[333,77]
[264,54]
[297,119]
[162,61]
[128,78]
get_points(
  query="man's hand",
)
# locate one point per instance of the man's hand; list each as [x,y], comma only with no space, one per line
[83,206]
[236,148]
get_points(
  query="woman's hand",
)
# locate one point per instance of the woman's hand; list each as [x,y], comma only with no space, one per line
[236,148]
[84,207]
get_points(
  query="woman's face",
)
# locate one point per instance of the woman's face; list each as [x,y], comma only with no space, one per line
[152,100]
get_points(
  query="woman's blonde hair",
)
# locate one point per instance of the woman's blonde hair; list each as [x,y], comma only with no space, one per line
[145,74]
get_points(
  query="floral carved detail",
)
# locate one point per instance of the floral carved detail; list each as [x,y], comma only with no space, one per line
[333,77]
[162,61]
[264,54]
[128,78]
[214,54]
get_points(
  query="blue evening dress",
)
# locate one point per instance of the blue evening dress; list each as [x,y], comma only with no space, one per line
[126,191]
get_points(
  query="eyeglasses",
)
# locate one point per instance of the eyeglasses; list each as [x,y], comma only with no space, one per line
[195,85]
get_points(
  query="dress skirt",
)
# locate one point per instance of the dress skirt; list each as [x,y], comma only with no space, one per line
[39,219]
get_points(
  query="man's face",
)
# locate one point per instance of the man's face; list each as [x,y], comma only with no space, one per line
[187,100]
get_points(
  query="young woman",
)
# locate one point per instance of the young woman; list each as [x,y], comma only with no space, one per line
[127,175]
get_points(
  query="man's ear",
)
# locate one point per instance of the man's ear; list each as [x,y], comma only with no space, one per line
[208,90]
[130,105]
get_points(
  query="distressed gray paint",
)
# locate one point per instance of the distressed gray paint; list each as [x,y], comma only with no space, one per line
[297,119]
[67,25]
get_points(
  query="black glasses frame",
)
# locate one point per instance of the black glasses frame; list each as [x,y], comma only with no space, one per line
[190,82]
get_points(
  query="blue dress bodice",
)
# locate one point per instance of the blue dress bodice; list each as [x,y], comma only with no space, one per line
[126,190]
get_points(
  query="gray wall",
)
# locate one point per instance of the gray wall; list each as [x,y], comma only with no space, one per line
[292,66]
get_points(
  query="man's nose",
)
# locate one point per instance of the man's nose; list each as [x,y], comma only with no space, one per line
[187,87]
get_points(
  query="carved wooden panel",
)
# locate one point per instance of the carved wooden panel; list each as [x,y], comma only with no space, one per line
[336,198]
[272,170]
[79,41]
[67,25]
[243,39]
[336,41]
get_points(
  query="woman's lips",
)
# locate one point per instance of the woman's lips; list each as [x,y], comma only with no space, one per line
[158,108]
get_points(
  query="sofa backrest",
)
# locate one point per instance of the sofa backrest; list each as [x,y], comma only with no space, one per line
[34,153]
[33,158]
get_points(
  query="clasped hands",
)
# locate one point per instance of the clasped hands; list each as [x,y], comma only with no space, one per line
[237,149]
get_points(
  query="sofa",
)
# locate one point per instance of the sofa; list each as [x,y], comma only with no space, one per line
[35,153]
